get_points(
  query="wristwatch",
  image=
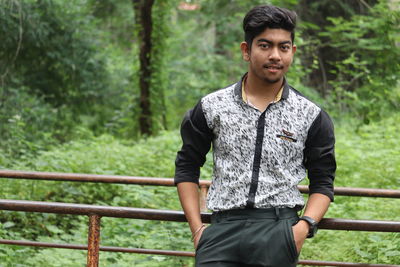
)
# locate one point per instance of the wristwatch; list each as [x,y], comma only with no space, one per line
[313,225]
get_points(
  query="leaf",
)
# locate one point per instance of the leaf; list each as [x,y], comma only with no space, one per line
[392,253]
[8,224]
[54,229]
[362,253]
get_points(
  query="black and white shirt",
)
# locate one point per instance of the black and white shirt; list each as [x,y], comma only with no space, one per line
[259,157]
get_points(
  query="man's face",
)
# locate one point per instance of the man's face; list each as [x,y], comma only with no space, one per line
[270,56]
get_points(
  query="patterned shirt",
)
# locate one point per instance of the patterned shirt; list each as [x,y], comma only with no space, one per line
[259,156]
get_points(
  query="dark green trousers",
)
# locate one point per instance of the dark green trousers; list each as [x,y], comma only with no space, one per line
[249,237]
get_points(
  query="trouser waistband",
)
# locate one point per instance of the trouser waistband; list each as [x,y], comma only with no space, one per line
[243,214]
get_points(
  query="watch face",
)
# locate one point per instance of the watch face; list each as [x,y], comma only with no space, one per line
[310,220]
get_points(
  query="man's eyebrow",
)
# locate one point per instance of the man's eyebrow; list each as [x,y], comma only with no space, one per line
[271,42]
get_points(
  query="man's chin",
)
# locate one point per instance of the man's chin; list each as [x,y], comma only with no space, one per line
[273,81]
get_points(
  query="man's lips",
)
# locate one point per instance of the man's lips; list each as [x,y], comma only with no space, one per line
[273,67]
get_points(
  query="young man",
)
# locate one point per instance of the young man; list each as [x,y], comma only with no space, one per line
[266,136]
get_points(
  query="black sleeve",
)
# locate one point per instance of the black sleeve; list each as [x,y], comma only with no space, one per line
[196,138]
[319,155]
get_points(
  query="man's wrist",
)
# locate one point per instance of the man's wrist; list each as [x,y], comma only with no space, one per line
[312,225]
[197,231]
[195,225]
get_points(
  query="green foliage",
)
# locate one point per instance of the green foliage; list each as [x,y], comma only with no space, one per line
[54,58]
[153,157]
[57,75]
[102,155]
[355,149]
[362,74]
[366,159]
[49,76]
[26,124]
[115,18]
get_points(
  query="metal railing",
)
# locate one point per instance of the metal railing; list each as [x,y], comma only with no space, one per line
[95,213]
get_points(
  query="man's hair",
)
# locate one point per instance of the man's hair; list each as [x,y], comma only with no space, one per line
[261,17]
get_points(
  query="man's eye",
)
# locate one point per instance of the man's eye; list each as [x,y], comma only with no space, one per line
[264,45]
[285,47]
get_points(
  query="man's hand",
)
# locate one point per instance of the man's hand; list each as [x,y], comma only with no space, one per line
[316,207]
[300,232]
[196,239]
[189,197]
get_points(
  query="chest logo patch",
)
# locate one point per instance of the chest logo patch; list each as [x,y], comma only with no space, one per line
[287,136]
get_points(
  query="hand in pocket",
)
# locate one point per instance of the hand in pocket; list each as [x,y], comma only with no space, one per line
[300,232]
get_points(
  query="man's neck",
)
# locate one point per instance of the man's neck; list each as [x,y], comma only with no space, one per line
[262,90]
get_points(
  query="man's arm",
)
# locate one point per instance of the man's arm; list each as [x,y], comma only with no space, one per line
[189,197]
[197,138]
[319,159]
[316,207]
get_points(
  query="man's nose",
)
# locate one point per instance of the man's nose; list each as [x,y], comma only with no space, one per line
[274,55]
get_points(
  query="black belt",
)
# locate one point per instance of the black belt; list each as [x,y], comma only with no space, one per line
[244,214]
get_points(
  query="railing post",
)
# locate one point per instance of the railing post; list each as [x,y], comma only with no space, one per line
[93,241]
[203,198]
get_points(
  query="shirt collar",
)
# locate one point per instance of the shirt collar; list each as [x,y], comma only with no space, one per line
[239,90]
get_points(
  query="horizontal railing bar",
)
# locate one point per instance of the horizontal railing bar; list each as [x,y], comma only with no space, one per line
[95,178]
[118,179]
[176,216]
[359,192]
[84,209]
[102,248]
[167,252]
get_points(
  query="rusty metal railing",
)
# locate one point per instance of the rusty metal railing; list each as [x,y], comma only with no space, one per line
[204,184]
[96,212]
[119,179]
[172,253]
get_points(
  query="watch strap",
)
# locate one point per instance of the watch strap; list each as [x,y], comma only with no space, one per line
[312,224]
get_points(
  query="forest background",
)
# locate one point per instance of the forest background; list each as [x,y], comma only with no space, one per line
[86,86]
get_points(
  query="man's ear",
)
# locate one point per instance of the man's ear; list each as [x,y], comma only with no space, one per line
[294,48]
[245,51]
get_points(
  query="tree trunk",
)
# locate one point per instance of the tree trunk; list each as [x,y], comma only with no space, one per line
[144,24]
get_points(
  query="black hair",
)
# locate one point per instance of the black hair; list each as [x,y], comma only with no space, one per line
[261,17]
